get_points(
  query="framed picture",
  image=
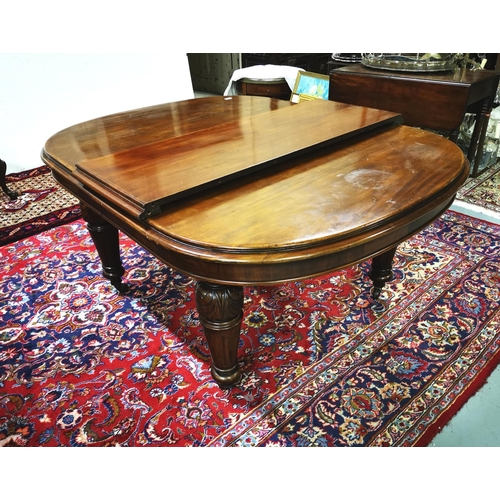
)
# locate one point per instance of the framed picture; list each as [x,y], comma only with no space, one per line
[309,86]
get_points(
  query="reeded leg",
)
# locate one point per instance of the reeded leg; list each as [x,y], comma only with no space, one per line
[220,308]
[106,240]
[381,271]
[3,171]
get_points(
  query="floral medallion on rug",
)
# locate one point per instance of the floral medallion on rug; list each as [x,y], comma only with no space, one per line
[484,190]
[41,204]
[324,364]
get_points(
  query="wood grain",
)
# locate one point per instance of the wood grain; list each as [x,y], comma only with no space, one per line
[156,173]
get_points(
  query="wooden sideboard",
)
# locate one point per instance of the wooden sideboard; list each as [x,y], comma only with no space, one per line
[436,101]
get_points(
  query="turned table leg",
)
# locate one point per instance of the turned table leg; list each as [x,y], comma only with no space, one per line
[3,172]
[106,240]
[220,309]
[381,271]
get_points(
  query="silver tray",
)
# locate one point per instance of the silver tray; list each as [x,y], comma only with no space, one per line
[410,62]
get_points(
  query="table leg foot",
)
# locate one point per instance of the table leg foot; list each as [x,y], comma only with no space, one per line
[220,309]
[3,171]
[381,271]
[106,240]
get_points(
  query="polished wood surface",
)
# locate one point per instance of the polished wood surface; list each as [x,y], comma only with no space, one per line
[324,210]
[156,173]
[436,101]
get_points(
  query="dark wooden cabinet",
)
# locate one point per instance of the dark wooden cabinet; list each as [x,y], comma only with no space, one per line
[316,63]
[436,101]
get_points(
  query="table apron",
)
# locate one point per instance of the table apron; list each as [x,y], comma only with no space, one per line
[244,269]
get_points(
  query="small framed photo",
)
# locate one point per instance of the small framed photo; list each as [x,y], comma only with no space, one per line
[309,86]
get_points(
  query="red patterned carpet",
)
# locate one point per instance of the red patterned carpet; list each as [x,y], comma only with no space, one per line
[483,190]
[41,204]
[324,364]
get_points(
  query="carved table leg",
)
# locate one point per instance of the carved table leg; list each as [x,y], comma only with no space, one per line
[3,171]
[220,309]
[381,271]
[106,240]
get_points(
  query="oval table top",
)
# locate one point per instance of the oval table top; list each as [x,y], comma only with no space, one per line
[311,213]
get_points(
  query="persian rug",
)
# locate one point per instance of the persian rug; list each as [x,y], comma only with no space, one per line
[484,190]
[42,204]
[324,364]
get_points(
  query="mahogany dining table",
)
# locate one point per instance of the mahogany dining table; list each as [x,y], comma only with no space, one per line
[243,190]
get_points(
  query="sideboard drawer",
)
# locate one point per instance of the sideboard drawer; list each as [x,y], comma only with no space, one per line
[276,88]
